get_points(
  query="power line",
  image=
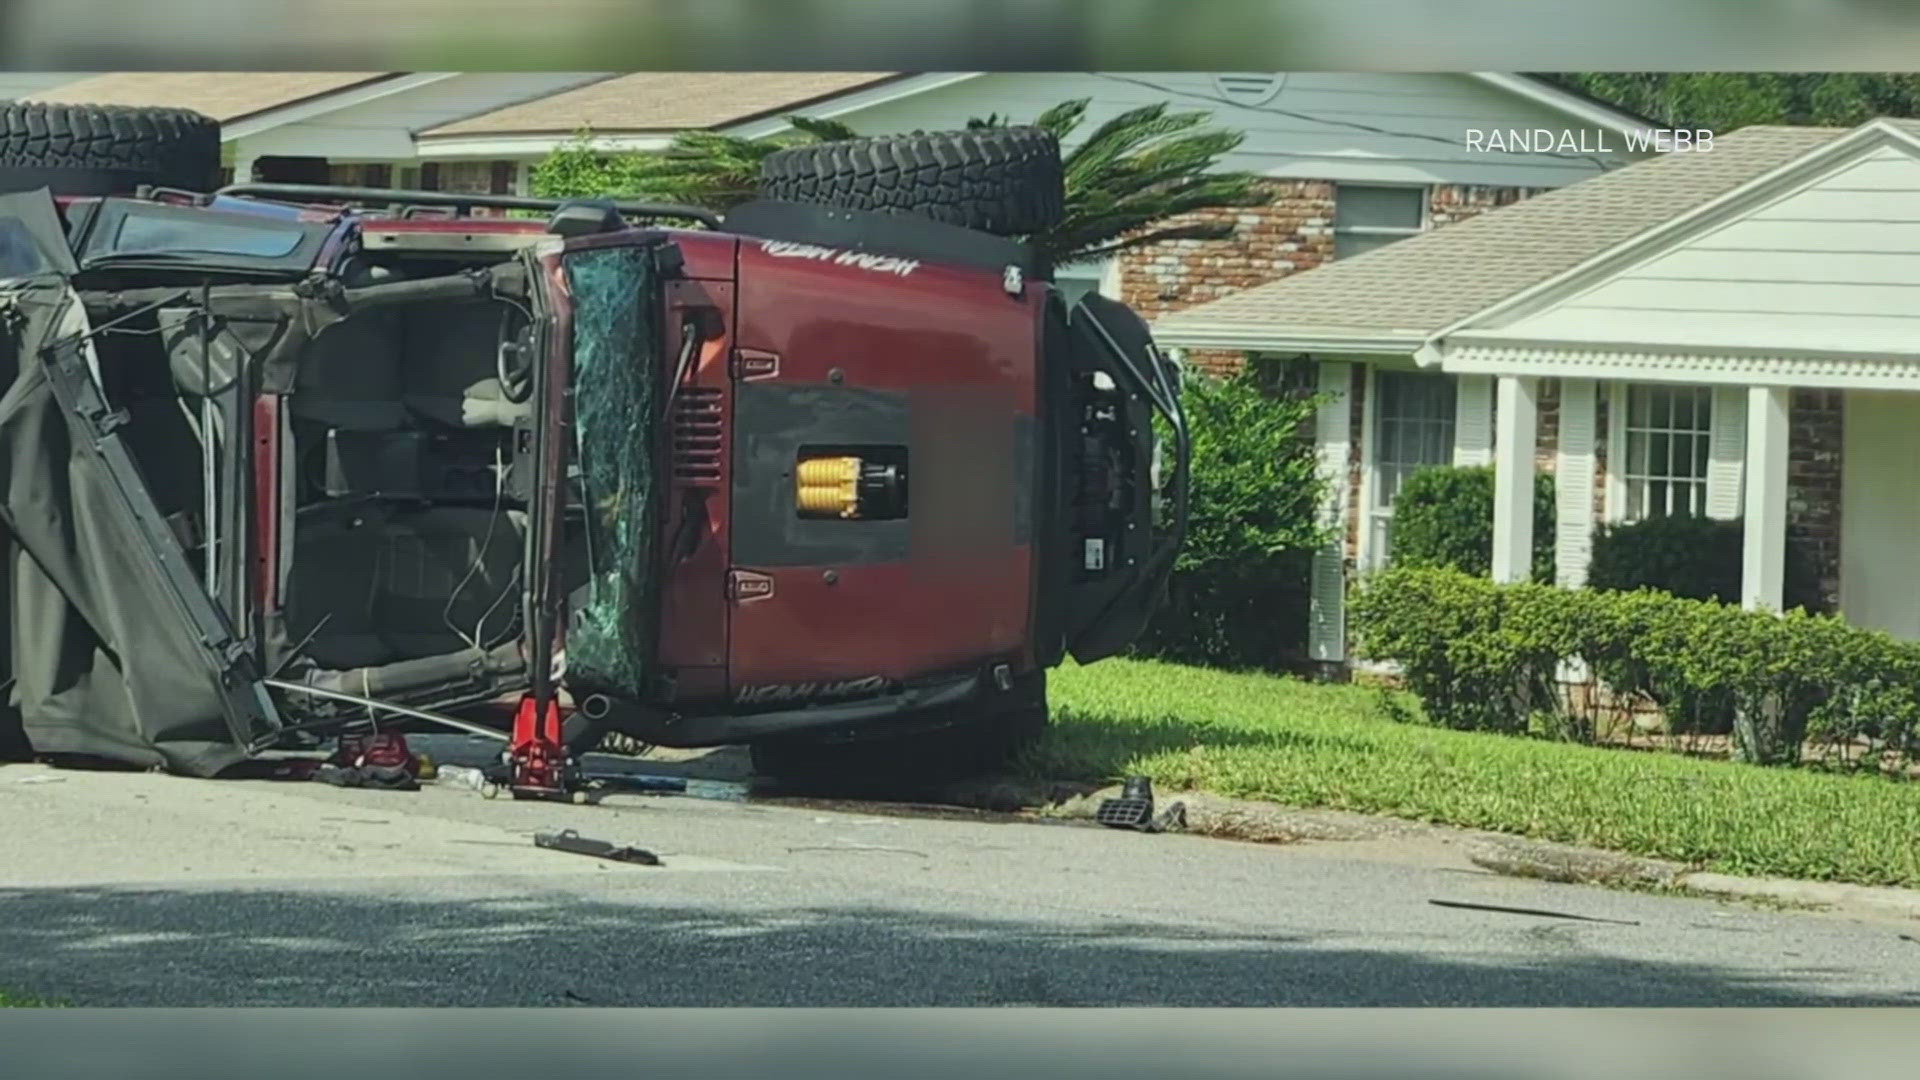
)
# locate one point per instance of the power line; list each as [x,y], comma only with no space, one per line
[1353,124]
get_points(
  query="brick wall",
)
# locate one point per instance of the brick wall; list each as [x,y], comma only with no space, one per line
[1290,233]
[1815,421]
[1448,203]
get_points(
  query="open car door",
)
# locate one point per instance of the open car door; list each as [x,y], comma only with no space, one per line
[600,393]
[115,648]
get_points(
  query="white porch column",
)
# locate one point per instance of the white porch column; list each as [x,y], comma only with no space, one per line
[243,167]
[1327,591]
[1518,407]
[1473,420]
[1573,481]
[1763,567]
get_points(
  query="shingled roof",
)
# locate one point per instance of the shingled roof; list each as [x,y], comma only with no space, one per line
[1407,291]
[662,101]
[224,95]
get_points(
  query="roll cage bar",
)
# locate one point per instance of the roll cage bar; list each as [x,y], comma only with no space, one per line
[461,201]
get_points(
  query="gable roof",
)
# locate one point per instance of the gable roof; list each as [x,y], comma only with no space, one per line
[662,102]
[1397,297]
[224,95]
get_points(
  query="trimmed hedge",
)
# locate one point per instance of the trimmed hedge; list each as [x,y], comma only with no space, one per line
[1443,517]
[1697,558]
[1489,657]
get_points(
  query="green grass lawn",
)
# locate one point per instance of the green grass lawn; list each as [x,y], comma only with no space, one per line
[1309,745]
[15,1001]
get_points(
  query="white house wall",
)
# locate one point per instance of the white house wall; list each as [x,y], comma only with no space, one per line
[18,84]
[1880,505]
[383,129]
[1429,115]
[1834,265]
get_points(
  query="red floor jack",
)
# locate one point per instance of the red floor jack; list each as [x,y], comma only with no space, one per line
[536,759]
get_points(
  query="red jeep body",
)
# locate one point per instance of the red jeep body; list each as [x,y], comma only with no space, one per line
[993,452]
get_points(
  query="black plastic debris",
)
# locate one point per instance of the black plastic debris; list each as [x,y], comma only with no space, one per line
[571,841]
[1134,809]
[1467,905]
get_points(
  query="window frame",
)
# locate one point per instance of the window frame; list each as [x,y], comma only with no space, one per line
[99,243]
[1620,432]
[1376,520]
[1397,232]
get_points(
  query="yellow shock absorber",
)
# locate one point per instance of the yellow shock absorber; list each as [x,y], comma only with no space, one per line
[828,487]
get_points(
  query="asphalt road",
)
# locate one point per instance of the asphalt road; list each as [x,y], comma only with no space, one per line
[147,890]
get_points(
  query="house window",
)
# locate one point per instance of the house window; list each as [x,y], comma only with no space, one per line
[467,177]
[1368,216]
[1413,415]
[1080,279]
[361,175]
[1668,433]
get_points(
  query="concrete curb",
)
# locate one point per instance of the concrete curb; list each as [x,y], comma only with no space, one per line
[1242,819]
[1898,903]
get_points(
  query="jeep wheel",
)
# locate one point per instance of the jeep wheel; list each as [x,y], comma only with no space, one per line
[106,149]
[1005,181]
[906,765]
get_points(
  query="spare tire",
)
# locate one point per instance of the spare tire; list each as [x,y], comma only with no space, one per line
[106,149]
[1007,181]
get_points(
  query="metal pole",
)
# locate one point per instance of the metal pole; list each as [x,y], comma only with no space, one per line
[209,459]
[401,710]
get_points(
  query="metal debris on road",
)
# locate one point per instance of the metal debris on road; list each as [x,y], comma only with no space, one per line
[570,841]
[1541,913]
[602,784]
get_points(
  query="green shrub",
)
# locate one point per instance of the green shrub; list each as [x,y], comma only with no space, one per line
[1238,594]
[1695,557]
[1488,657]
[1443,517]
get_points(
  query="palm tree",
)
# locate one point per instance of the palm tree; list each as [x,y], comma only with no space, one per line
[1133,175]
[1127,182]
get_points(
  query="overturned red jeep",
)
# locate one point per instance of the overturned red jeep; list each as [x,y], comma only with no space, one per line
[838,475]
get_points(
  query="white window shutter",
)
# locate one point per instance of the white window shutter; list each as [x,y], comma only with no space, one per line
[1473,421]
[1327,591]
[1573,481]
[1727,453]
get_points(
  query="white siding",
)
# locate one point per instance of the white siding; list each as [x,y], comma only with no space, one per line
[1428,114]
[383,129]
[1880,505]
[1832,265]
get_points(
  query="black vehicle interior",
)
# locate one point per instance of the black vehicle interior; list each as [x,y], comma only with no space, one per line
[406,542]
[402,522]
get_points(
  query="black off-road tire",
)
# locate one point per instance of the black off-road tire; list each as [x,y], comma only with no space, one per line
[106,149]
[1006,181]
[983,740]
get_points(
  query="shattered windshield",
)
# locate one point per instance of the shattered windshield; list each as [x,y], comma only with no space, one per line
[610,642]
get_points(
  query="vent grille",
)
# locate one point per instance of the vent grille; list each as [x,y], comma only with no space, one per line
[699,436]
[1248,88]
